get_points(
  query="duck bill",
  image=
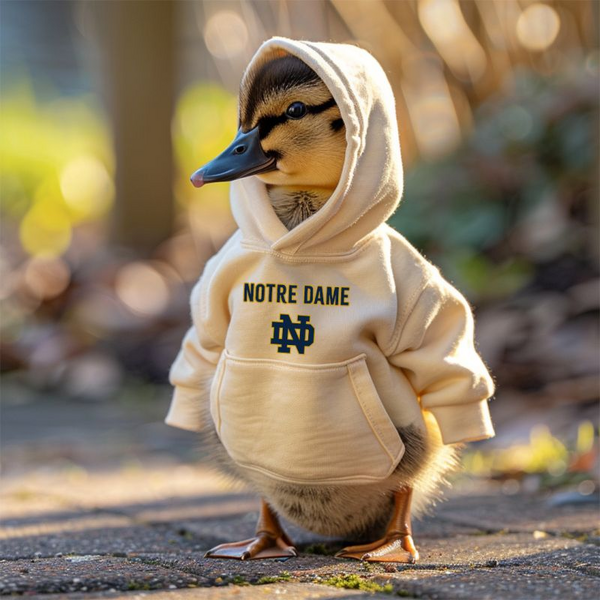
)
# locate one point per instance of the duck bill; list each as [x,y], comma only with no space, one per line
[242,158]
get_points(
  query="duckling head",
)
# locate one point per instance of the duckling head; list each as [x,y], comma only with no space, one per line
[298,123]
[291,136]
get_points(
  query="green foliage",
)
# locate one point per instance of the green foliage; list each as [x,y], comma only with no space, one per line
[133,585]
[55,164]
[356,582]
[558,463]
[488,213]
[283,576]
[204,125]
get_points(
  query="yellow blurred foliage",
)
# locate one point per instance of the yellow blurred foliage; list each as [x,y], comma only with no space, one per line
[544,454]
[87,188]
[56,166]
[204,125]
[57,162]
[45,229]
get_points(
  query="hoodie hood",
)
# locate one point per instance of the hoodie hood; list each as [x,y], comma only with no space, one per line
[370,185]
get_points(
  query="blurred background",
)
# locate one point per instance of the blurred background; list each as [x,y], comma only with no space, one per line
[106,109]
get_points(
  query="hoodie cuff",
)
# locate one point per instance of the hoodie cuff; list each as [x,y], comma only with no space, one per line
[464,422]
[184,411]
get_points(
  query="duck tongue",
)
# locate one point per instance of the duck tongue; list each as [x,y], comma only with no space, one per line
[242,158]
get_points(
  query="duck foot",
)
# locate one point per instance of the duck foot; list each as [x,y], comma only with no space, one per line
[261,546]
[400,549]
[270,541]
[397,545]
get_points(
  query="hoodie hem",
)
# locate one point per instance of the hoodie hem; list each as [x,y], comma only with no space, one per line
[464,423]
[353,480]
[183,413]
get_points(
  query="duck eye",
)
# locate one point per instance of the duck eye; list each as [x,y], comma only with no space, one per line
[296,110]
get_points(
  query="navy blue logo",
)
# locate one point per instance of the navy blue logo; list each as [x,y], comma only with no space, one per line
[286,333]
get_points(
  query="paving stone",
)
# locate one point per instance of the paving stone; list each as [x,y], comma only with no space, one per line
[521,565]
[291,591]
[434,526]
[209,508]
[304,569]
[519,513]
[515,583]
[459,552]
[481,549]
[55,521]
[87,533]
[87,573]
[253,570]
[46,429]
[583,557]
[132,487]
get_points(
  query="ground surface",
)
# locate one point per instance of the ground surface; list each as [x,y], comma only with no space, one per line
[78,521]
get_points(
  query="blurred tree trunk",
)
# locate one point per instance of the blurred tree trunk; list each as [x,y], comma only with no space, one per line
[137,41]
[595,192]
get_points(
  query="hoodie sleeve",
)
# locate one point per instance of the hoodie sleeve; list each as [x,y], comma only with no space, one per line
[192,372]
[436,351]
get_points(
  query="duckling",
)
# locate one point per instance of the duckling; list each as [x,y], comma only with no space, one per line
[293,139]
[300,125]
[297,122]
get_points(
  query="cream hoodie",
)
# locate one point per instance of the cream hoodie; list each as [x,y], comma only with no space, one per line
[316,344]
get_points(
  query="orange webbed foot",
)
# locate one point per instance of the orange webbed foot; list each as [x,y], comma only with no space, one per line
[261,546]
[270,541]
[397,545]
[399,549]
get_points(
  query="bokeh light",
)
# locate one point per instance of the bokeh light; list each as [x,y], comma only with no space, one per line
[438,128]
[225,35]
[87,187]
[142,288]
[46,277]
[537,26]
[55,165]
[446,27]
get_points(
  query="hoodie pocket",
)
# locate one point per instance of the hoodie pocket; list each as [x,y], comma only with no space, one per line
[304,423]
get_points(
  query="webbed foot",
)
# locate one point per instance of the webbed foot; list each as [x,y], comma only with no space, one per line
[261,546]
[400,549]
[270,541]
[397,545]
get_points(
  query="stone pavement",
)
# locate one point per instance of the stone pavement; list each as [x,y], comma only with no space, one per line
[101,501]
[127,532]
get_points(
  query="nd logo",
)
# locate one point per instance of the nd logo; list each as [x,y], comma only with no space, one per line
[286,334]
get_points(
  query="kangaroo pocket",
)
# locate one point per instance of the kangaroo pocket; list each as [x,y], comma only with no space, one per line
[304,423]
